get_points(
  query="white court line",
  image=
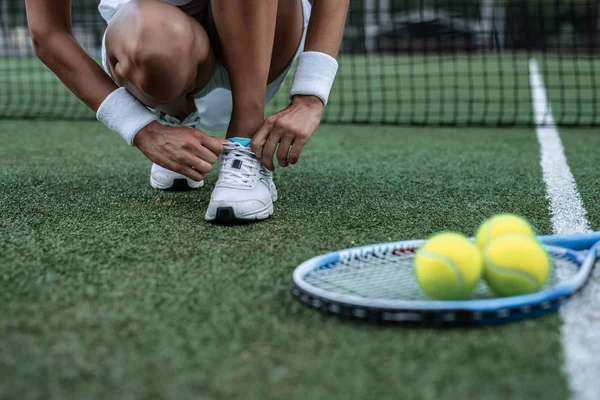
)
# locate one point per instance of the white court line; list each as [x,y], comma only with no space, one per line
[581,316]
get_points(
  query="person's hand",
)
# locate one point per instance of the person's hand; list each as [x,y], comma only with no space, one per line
[187,151]
[289,129]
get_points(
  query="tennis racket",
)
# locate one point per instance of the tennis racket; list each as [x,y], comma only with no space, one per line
[377,283]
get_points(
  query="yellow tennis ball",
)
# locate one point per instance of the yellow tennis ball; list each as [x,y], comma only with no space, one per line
[448,266]
[499,225]
[516,264]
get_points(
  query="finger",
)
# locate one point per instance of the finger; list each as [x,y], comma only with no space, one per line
[196,163]
[269,149]
[213,144]
[283,150]
[197,149]
[260,137]
[205,154]
[183,169]
[192,174]
[295,152]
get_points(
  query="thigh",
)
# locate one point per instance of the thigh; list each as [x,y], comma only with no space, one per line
[158,52]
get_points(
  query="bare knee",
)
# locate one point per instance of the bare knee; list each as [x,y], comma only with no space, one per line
[157,49]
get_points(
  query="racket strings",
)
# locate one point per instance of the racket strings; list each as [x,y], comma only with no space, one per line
[357,277]
[391,276]
[387,276]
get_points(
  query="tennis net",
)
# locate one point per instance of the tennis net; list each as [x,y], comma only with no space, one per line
[414,62]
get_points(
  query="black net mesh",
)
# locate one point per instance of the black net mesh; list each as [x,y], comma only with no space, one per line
[420,62]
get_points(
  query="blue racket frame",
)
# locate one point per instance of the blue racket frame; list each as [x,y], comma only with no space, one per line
[464,312]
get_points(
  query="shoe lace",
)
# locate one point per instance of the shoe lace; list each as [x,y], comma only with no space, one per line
[239,174]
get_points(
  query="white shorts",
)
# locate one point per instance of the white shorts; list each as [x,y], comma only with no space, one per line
[214,101]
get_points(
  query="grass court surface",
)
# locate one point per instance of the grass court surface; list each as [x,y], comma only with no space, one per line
[110,289]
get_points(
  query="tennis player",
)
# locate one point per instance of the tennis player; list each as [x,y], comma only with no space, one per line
[174,67]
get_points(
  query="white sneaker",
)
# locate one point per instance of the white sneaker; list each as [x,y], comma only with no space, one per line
[164,179]
[245,190]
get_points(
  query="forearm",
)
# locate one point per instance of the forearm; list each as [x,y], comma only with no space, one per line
[50,26]
[285,133]
[326,26]
[317,66]
[78,71]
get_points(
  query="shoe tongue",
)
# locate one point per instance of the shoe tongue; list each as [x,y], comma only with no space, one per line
[168,120]
[241,140]
[191,120]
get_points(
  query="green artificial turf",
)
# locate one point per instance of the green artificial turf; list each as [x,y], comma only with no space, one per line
[581,148]
[110,289]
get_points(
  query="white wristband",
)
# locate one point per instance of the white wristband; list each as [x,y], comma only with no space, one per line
[124,114]
[314,75]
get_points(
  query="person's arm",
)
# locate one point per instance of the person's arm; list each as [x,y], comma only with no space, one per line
[50,26]
[184,150]
[326,26]
[289,130]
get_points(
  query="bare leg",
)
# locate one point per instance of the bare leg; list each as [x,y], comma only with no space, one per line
[160,54]
[255,40]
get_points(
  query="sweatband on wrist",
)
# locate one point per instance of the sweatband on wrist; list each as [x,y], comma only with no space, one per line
[314,75]
[124,114]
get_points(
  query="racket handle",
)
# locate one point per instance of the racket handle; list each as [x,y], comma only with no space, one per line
[573,242]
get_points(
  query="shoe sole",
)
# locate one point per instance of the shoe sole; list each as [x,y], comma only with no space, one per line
[226,216]
[179,185]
